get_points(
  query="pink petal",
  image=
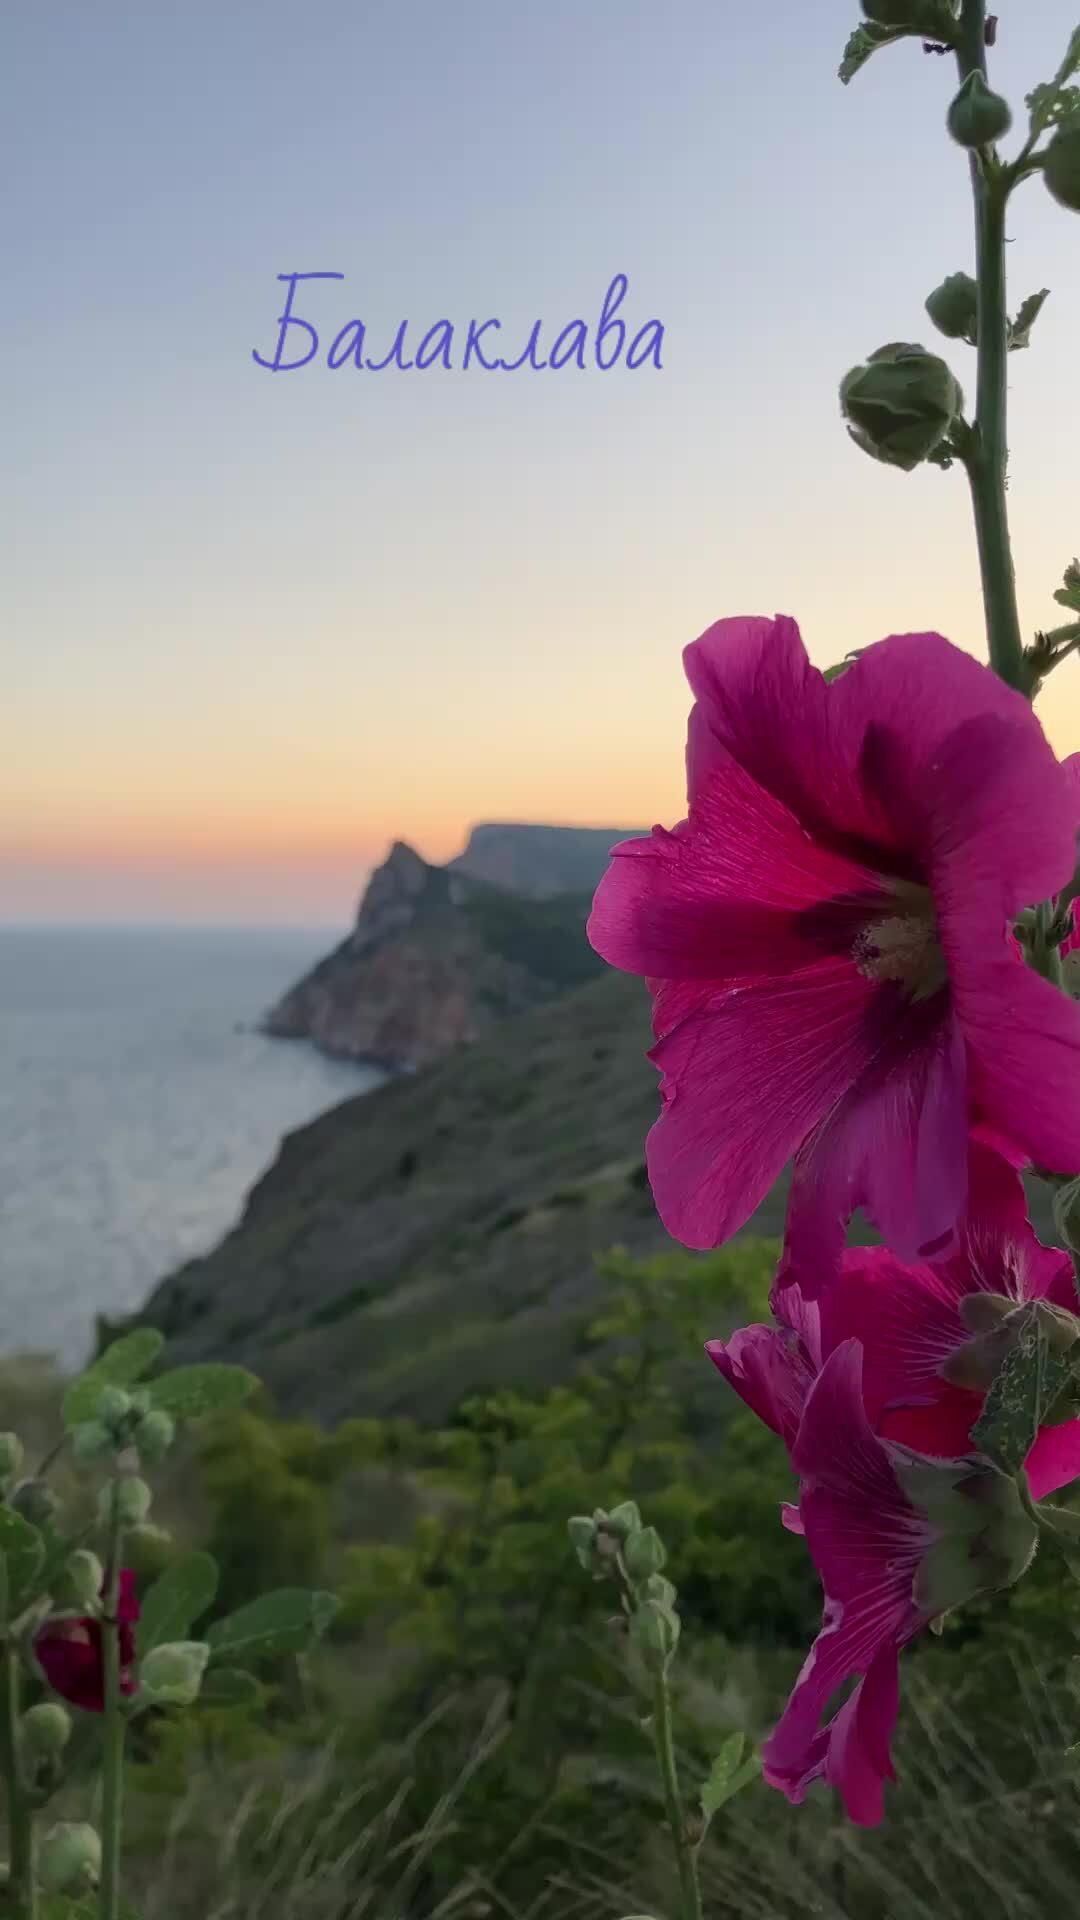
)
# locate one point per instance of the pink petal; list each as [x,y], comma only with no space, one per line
[769,1373]
[1023,1039]
[859,1759]
[1054,1460]
[744,1081]
[740,889]
[895,1144]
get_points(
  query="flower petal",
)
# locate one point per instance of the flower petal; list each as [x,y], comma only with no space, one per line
[1054,1460]
[895,1144]
[770,1374]
[1023,1038]
[745,1079]
[739,889]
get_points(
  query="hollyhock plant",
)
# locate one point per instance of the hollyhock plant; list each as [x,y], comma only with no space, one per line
[70,1653]
[897,1539]
[932,1337]
[825,940]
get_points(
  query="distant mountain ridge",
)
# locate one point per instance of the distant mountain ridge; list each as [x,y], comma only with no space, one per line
[438,954]
[540,861]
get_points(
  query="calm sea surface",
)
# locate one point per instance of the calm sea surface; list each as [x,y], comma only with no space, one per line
[134,1115]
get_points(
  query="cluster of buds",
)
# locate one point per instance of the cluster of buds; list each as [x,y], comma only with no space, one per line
[617,1545]
[125,1424]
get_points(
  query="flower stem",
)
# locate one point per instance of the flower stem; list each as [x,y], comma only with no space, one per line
[23,1890]
[664,1742]
[113,1730]
[987,451]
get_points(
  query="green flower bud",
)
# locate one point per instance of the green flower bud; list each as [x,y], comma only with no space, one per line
[978,116]
[80,1580]
[657,1630]
[154,1435]
[953,307]
[172,1675]
[70,1858]
[623,1520]
[132,1501]
[901,404]
[661,1590]
[933,19]
[1061,165]
[11,1455]
[36,1501]
[582,1531]
[114,1405]
[141,1400]
[45,1730]
[90,1440]
[644,1554]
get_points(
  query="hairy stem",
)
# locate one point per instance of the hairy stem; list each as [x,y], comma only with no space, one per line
[664,1742]
[22,1888]
[987,453]
[113,1730]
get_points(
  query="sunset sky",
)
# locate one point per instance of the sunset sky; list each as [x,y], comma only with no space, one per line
[258,624]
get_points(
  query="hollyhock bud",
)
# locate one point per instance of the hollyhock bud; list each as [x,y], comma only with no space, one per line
[657,1631]
[934,18]
[644,1554]
[953,307]
[114,1406]
[171,1675]
[81,1580]
[1061,166]
[11,1455]
[132,1501]
[70,1858]
[623,1520]
[154,1436]
[148,1549]
[582,1531]
[91,1440]
[901,404]
[978,116]
[45,1730]
[36,1502]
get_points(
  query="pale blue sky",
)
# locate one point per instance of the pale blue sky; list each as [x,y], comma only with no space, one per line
[258,624]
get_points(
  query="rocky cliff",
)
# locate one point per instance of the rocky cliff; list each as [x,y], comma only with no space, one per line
[436,955]
[540,861]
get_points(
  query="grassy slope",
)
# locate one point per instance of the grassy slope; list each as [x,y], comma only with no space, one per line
[437,1235]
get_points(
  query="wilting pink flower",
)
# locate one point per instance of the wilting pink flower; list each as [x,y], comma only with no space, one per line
[69,1652]
[924,1330]
[825,941]
[896,1540]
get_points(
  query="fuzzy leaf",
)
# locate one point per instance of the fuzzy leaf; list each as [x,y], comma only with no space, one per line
[123,1363]
[229,1687]
[190,1392]
[277,1623]
[1049,105]
[1020,328]
[176,1600]
[23,1551]
[732,1770]
[1029,1382]
[864,42]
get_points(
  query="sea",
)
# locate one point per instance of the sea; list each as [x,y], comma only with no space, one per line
[138,1105]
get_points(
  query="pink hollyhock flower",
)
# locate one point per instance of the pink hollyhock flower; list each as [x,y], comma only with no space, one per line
[69,1652]
[825,941]
[932,1336]
[896,1539]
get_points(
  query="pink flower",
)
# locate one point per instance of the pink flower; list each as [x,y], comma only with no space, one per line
[825,941]
[923,1330]
[896,1540]
[69,1652]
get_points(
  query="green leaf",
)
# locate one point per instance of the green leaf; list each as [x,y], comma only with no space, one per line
[1020,328]
[864,42]
[229,1687]
[123,1363]
[189,1392]
[1049,105]
[23,1550]
[177,1598]
[1028,1383]
[732,1770]
[277,1623]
